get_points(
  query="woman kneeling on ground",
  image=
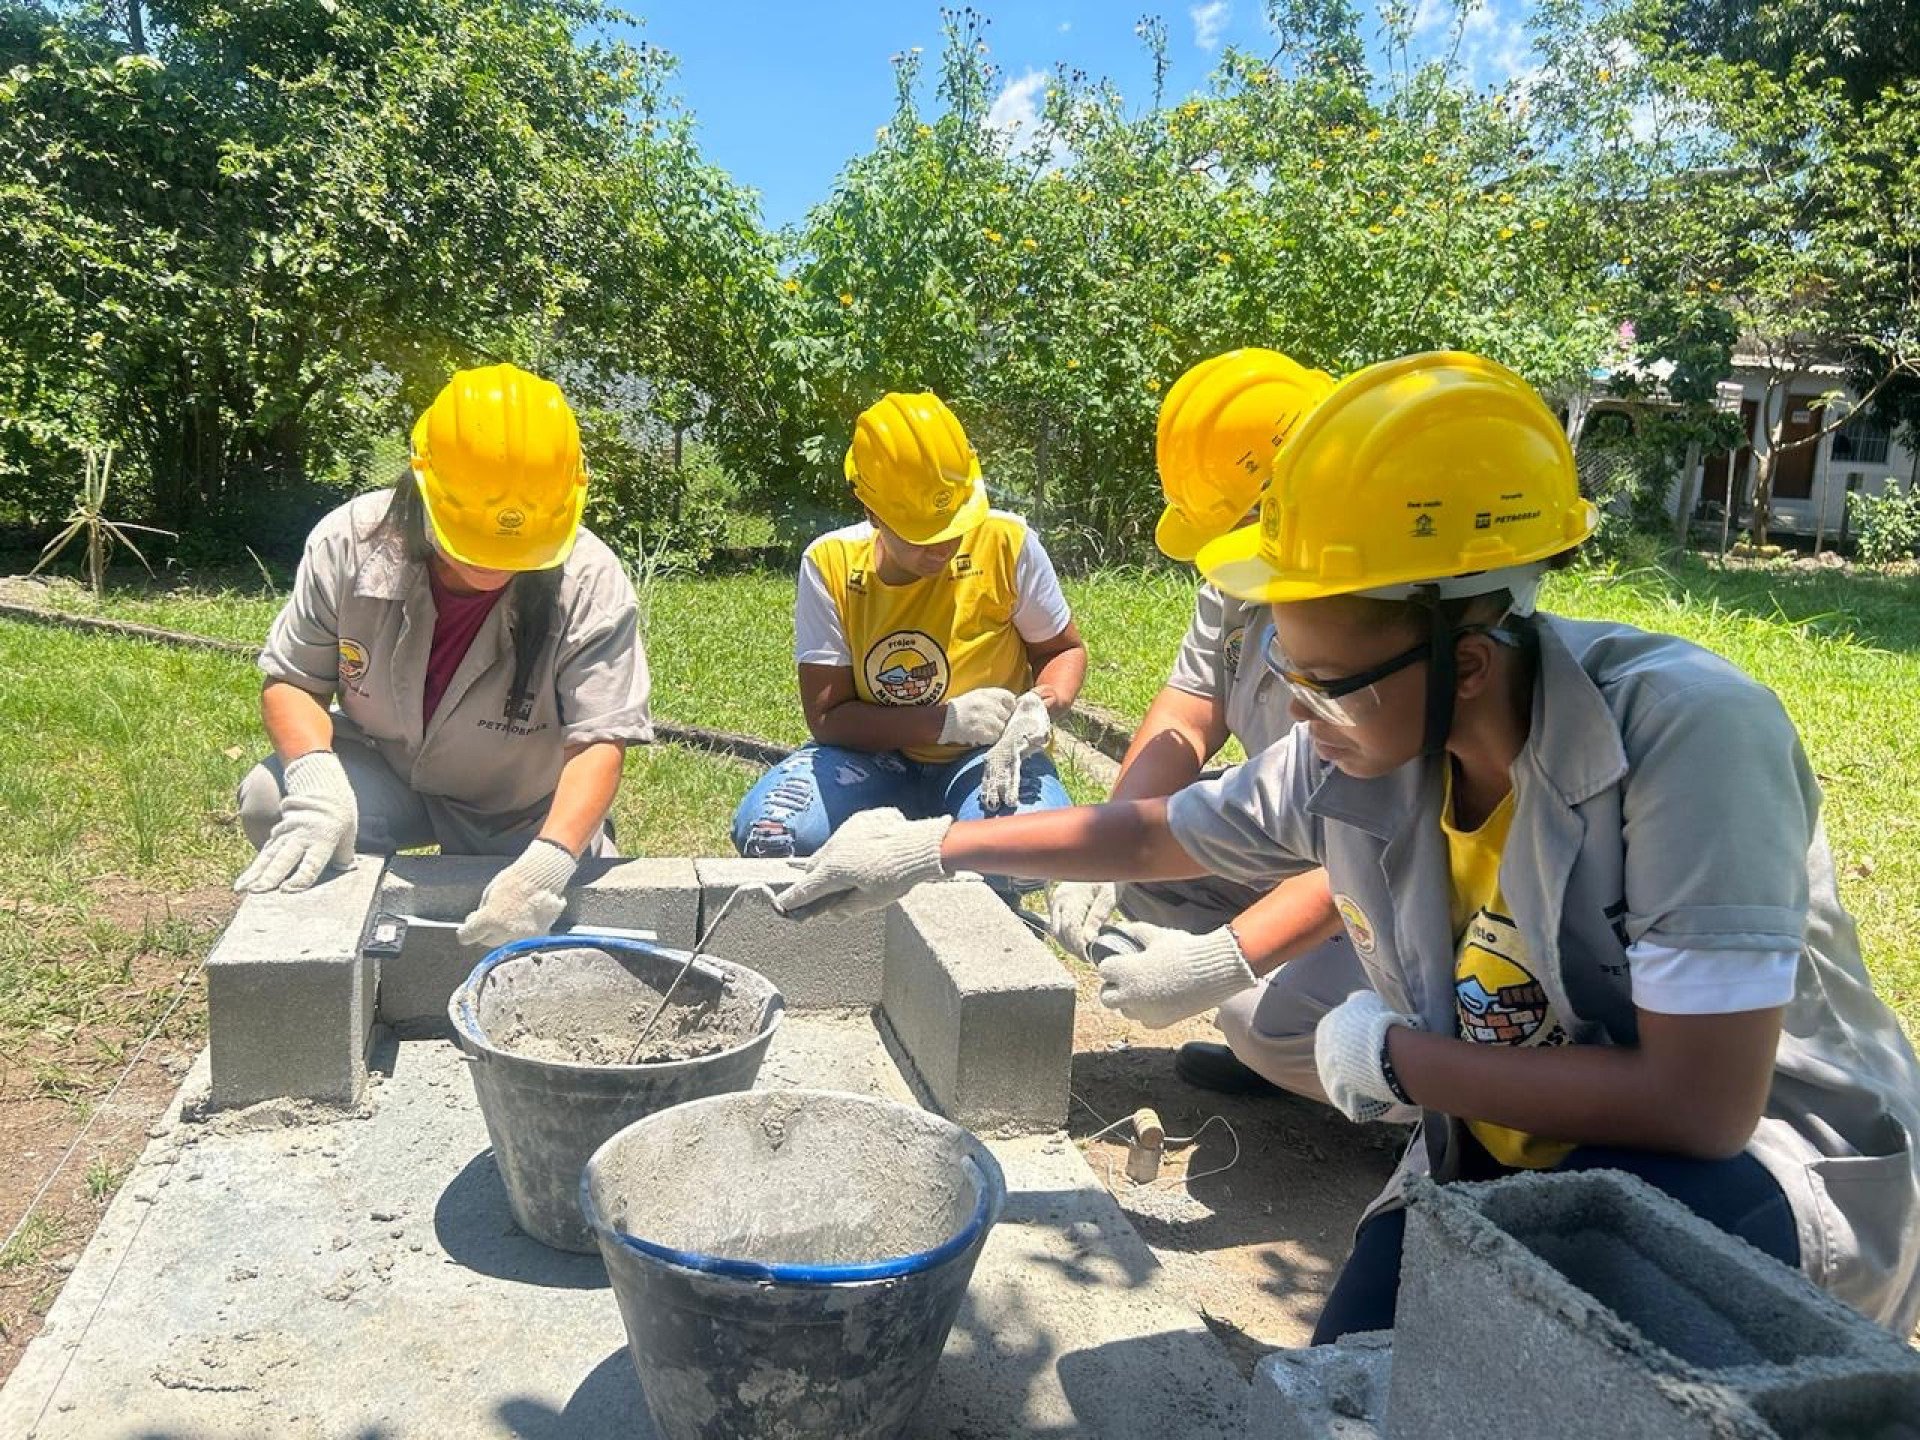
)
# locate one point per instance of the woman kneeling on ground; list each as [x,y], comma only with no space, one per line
[1583,865]
[483,660]
[933,643]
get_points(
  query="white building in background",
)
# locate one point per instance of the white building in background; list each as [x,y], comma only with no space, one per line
[1811,483]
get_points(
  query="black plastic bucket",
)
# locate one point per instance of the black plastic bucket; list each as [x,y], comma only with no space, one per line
[789,1262]
[546,1116]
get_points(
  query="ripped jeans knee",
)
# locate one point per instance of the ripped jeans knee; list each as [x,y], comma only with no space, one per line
[770,830]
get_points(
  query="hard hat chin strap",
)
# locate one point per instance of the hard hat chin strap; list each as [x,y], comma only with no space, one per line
[1442,673]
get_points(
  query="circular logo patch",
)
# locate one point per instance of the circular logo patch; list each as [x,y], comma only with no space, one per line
[510,520]
[1358,926]
[907,668]
[353,659]
[1236,642]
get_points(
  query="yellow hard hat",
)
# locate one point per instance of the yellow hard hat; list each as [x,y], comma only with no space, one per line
[1220,427]
[911,465]
[497,460]
[1436,470]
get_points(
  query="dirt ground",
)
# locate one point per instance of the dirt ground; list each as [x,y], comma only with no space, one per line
[37,1129]
[1253,1241]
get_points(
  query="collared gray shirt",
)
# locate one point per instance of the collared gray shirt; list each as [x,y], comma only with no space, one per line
[357,630]
[1220,659]
[1662,797]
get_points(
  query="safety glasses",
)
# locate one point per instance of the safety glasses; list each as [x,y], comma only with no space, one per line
[1349,699]
[1344,701]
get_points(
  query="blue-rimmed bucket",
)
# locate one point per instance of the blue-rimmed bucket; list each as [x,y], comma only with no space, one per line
[788,1262]
[531,1002]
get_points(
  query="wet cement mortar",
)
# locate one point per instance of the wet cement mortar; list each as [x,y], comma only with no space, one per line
[603,1024]
[840,1184]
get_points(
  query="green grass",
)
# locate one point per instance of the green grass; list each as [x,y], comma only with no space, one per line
[1133,621]
[103,1177]
[37,1238]
[113,754]
[240,609]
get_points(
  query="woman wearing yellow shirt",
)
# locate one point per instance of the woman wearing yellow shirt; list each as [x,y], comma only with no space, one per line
[1583,865]
[933,643]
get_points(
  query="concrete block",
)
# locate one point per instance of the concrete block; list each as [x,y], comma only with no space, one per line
[639,894]
[289,995]
[1845,1404]
[829,963]
[980,1006]
[644,893]
[1326,1392]
[1597,1294]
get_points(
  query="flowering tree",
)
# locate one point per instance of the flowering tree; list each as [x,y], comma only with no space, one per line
[1053,290]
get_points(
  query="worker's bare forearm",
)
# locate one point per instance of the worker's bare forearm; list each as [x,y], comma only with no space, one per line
[1288,921]
[857,725]
[589,779]
[1129,841]
[1058,675]
[1696,1084]
[296,720]
[1180,733]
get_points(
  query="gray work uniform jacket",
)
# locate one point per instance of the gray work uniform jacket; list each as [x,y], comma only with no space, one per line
[357,630]
[1661,796]
[1220,655]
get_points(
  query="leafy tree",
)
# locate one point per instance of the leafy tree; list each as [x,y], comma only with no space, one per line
[1053,290]
[247,254]
[1772,210]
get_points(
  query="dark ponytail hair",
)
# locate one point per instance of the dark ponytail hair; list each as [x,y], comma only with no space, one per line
[533,594]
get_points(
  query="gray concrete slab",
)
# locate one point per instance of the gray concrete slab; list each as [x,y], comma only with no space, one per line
[361,1277]
[981,1006]
[822,963]
[290,997]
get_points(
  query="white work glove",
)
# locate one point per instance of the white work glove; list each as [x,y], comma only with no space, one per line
[318,821]
[522,900]
[1348,1044]
[869,862]
[1075,912]
[1027,732]
[976,718]
[1175,974]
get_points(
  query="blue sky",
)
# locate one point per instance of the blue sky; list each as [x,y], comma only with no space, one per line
[785,94]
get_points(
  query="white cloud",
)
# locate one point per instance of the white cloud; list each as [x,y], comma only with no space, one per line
[1065,26]
[1209,23]
[1016,109]
[1495,47]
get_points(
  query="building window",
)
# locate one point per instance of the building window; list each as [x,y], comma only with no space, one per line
[1862,439]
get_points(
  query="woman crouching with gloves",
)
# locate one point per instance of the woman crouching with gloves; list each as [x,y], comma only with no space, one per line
[459,665]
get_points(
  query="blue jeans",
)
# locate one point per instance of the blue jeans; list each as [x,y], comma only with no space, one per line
[795,806]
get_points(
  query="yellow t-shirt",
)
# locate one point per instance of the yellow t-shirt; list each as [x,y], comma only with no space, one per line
[925,642]
[1497,998]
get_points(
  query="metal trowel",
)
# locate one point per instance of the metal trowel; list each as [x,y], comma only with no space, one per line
[387,933]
